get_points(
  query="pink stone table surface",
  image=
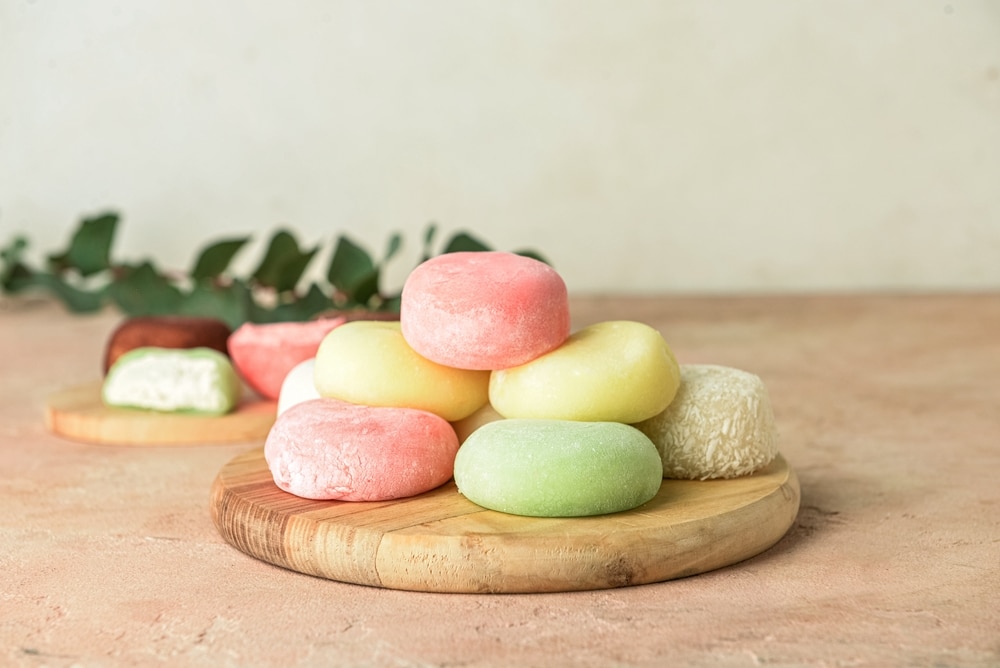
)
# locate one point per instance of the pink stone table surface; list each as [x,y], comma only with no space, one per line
[889,411]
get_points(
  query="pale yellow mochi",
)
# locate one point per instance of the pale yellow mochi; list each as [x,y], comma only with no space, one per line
[616,371]
[369,362]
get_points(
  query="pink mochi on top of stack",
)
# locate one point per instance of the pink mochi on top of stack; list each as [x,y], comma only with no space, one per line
[484,310]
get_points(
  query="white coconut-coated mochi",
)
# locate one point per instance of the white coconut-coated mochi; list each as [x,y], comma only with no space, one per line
[719,425]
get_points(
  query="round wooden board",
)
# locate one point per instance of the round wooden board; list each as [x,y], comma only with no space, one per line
[441,542]
[79,414]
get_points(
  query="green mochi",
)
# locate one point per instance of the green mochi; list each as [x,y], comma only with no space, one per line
[558,468]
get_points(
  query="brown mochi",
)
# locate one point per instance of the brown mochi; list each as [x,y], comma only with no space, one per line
[166,331]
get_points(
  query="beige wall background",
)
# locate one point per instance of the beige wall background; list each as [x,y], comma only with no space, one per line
[642,146]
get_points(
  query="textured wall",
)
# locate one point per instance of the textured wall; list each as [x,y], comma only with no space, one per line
[642,146]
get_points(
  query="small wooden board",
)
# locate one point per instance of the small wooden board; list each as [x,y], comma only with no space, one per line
[79,414]
[441,542]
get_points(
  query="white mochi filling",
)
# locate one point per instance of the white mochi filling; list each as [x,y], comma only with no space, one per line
[168,381]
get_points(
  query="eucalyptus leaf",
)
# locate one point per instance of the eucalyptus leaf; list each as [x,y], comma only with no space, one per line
[144,291]
[89,250]
[314,302]
[18,278]
[391,304]
[286,312]
[293,270]
[257,313]
[350,266]
[215,259]
[394,246]
[533,255]
[365,290]
[428,247]
[229,303]
[77,300]
[12,254]
[14,251]
[464,242]
[283,264]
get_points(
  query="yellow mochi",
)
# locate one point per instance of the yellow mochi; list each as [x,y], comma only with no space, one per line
[369,362]
[616,371]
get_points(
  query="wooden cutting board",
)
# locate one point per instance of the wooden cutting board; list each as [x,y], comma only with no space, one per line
[79,414]
[441,542]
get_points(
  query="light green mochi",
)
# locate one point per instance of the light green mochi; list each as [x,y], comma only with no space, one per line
[173,380]
[616,371]
[558,468]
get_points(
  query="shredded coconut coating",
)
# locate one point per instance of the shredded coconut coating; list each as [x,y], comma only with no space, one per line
[719,425]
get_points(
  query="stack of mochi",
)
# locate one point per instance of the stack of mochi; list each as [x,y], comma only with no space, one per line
[482,380]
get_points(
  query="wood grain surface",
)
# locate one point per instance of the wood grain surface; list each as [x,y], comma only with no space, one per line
[77,413]
[441,542]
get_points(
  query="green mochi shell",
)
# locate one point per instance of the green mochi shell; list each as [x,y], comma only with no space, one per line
[558,468]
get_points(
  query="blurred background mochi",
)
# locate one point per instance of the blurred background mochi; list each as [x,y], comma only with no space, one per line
[640,146]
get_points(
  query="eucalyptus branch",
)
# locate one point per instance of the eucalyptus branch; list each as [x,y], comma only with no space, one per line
[86,278]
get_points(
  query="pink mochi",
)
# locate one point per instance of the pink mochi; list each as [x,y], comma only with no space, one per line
[332,449]
[484,310]
[263,354]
